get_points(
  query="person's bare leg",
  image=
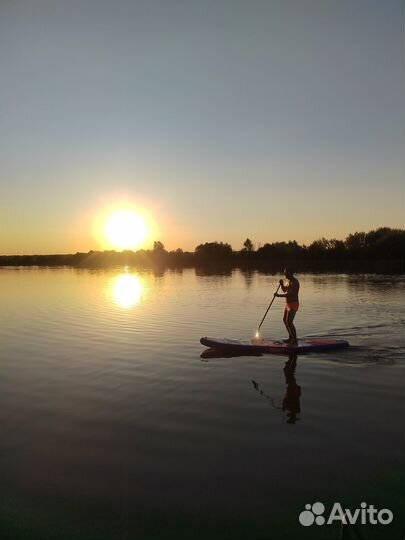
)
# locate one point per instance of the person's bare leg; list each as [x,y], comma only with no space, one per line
[291,328]
[285,321]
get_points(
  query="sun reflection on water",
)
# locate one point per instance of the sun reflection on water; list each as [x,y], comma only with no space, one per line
[127,290]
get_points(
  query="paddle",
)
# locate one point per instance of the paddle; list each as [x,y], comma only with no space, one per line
[267,310]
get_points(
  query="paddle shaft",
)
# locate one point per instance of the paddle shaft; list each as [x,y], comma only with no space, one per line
[267,310]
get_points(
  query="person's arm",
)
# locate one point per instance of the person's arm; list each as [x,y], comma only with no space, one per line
[283,288]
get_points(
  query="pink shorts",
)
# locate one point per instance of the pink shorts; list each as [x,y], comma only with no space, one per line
[292,306]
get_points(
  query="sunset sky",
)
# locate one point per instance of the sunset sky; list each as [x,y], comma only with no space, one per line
[217,119]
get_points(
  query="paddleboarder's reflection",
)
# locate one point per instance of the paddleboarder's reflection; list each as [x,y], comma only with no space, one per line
[291,401]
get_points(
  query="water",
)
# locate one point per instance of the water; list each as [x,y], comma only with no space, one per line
[113,426]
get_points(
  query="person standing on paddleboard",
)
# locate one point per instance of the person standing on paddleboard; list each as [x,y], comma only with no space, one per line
[292,303]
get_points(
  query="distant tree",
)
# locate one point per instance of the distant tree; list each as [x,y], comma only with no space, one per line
[158,253]
[280,251]
[338,248]
[213,251]
[355,242]
[318,248]
[158,247]
[381,243]
[248,245]
[386,242]
[324,248]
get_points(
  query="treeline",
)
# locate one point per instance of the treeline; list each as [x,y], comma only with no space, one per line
[380,249]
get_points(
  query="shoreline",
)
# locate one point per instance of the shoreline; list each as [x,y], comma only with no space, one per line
[393,267]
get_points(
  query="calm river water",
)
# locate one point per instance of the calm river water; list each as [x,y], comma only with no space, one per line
[113,425]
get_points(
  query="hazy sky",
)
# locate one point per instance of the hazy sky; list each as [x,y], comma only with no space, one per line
[273,119]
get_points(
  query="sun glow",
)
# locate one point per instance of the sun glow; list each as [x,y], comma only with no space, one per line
[127,290]
[124,225]
[125,229]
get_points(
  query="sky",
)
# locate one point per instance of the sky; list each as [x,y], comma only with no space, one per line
[222,119]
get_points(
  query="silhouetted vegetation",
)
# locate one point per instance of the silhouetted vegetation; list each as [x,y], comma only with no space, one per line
[380,250]
[248,245]
[213,251]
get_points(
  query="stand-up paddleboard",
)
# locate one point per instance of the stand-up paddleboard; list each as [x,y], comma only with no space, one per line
[268,345]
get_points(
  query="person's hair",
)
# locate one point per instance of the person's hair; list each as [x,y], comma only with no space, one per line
[289,270]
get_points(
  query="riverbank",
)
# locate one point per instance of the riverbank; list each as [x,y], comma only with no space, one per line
[149,260]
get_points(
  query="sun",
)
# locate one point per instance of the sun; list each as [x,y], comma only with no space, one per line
[124,225]
[125,229]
